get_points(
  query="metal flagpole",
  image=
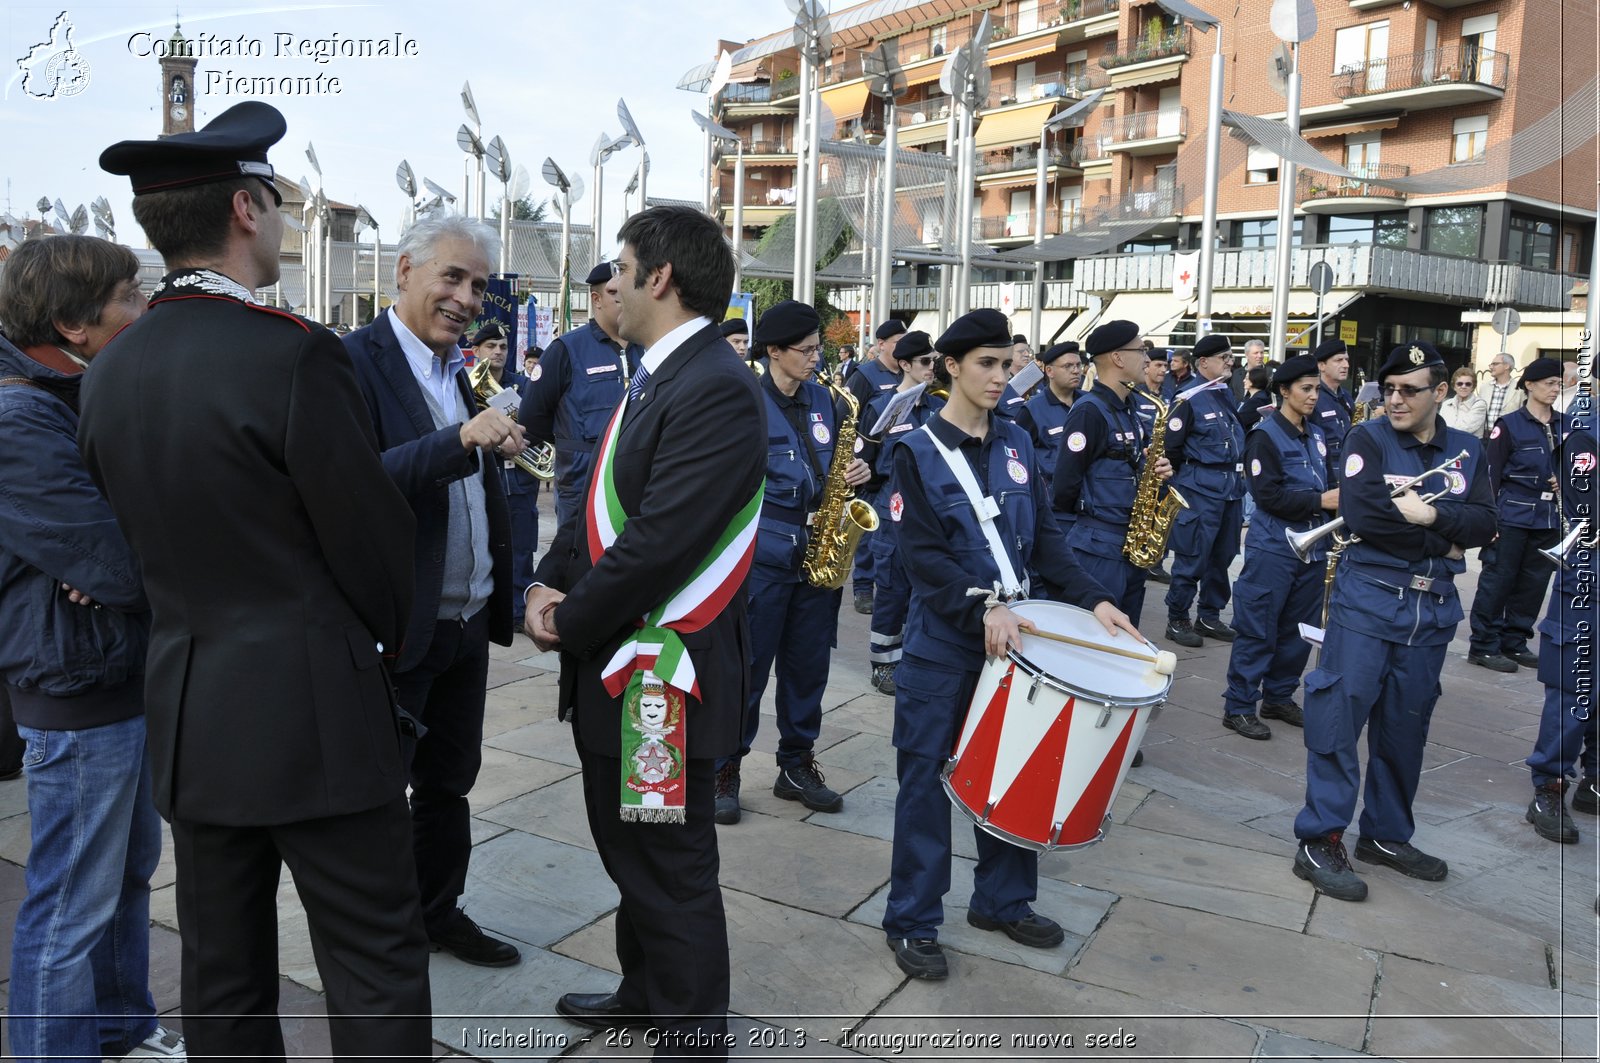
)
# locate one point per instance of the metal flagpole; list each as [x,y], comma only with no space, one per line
[1278,338]
[963,293]
[802,206]
[738,213]
[885,263]
[1208,223]
[1036,322]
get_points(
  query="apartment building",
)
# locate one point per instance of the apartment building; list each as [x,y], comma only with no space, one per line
[1390,89]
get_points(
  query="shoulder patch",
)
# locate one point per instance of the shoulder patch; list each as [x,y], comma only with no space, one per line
[1076,442]
[1353,464]
[1175,425]
[897,506]
[1255,466]
[1494,433]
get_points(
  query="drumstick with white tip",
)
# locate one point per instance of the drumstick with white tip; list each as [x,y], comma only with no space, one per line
[1164,661]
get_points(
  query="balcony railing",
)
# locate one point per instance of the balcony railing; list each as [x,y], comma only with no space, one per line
[1058,84]
[1162,45]
[1312,185]
[1458,64]
[934,109]
[1025,157]
[1090,149]
[768,147]
[1014,226]
[1146,125]
[1069,11]
[752,93]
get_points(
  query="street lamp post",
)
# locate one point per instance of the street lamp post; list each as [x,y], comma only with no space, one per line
[476,135]
[1067,117]
[1294,22]
[719,132]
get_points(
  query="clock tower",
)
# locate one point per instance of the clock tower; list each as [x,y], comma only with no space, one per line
[177,85]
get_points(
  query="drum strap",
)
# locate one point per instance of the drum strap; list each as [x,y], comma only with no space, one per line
[987,509]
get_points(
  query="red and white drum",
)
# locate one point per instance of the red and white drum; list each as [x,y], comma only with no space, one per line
[1051,732]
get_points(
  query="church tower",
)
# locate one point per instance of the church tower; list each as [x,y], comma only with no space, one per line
[177,85]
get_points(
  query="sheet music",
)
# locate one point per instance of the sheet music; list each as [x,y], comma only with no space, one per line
[897,409]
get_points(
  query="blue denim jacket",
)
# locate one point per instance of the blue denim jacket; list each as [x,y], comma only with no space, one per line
[69,666]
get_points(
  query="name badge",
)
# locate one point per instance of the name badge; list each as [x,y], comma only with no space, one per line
[1056,431]
[897,429]
[596,370]
[1330,413]
[1211,415]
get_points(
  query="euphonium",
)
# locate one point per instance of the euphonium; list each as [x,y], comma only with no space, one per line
[841,519]
[538,459]
[1154,511]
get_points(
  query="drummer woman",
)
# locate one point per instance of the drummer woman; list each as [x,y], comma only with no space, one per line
[963,569]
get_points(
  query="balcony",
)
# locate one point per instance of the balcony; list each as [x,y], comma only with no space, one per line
[1439,77]
[1091,152]
[1157,55]
[1015,227]
[1023,158]
[1146,132]
[1073,82]
[1320,193]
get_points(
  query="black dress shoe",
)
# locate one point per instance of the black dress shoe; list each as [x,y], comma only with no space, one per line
[1158,573]
[1246,724]
[1138,758]
[598,1011]
[1287,711]
[1215,629]
[1522,656]
[1493,661]
[864,603]
[1182,632]
[920,958]
[1033,930]
[462,938]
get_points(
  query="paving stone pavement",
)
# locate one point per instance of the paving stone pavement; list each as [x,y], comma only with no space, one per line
[1187,936]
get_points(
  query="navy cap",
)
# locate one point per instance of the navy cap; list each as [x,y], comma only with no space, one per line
[912,345]
[786,323]
[891,327]
[734,326]
[1292,369]
[1060,349]
[494,330]
[1112,336]
[1215,343]
[1409,357]
[980,328]
[232,145]
[1159,354]
[601,274]
[1330,348]
[1539,369]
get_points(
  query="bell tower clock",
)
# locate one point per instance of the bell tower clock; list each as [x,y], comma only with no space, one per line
[177,85]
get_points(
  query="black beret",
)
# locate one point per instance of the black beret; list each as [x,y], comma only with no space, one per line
[1215,343]
[1112,336]
[601,274]
[1330,348]
[1409,357]
[891,327]
[786,323]
[1159,354]
[1060,349]
[980,328]
[1292,369]
[1017,337]
[912,345]
[494,330]
[735,325]
[232,145]
[1539,369]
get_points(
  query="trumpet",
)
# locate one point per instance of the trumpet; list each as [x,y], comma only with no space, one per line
[1557,554]
[539,459]
[1301,542]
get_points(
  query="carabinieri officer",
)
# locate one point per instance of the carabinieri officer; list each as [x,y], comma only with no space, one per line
[1566,657]
[1286,468]
[1205,444]
[581,379]
[973,518]
[1393,612]
[791,621]
[1335,409]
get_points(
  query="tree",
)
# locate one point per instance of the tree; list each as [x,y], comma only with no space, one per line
[526,209]
[830,218]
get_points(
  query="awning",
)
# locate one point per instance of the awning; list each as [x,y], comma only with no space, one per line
[1013,126]
[1049,322]
[917,134]
[1166,71]
[1158,313]
[921,75]
[1346,128]
[1013,181]
[846,101]
[1020,50]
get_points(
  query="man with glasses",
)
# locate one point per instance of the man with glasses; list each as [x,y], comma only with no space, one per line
[1044,417]
[1521,453]
[1335,408]
[1503,396]
[1392,614]
[1205,444]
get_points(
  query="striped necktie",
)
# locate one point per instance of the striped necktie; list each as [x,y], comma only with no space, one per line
[641,377]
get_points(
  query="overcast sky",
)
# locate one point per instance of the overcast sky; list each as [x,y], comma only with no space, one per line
[546,77]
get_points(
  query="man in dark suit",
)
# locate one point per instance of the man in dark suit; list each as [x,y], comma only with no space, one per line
[689,452]
[411,373]
[230,440]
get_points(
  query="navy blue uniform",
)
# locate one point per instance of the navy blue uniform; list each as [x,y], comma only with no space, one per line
[1206,447]
[1044,418]
[792,623]
[580,381]
[1092,491]
[522,496]
[1286,470]
[946,555]
[870,381]
[1515,574]
[1171,385]
[1011,402]
[1392,614]
[1333,415]
[1145,407]
[1566,643]
[892,590]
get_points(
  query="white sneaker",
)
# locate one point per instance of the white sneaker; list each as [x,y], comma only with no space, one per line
[161,1044]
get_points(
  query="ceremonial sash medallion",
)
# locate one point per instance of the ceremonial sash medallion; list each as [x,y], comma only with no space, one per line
[652,671]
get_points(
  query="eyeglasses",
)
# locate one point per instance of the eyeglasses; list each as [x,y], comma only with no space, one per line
[1463,383]
[1405,391]
[618,269]
[926,359]
[807,351]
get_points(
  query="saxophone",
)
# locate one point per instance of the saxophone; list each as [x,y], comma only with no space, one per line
[1154,511]
[538,459]
[841,519]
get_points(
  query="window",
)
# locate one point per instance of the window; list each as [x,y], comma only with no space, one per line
[1361,152]
[1019,217]
[1262,233]
[1385,230]
[1025,79]
[1261,167]
[1471,139]
[1455,231]
[936,39]
[1363,47]
[1533,241]
[1027,16]
[1071,207]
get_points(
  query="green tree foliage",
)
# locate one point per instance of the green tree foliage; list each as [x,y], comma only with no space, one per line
[768,292]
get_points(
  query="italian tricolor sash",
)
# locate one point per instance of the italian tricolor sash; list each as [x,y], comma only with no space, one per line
[652,670]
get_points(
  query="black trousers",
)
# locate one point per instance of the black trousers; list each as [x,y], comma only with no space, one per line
[445,691]
[1510,589]
[355,878]
[672,934]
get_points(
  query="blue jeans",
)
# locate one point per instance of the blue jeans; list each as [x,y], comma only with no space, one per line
[82,943]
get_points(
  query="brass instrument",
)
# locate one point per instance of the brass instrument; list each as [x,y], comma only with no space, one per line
[538,459]
[1557,554]
[1301,542]
[842,519]
[1555,479]
[1154,511]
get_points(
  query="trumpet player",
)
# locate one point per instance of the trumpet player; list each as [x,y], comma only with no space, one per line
[1286,469]
[1391,616]
[792,622]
